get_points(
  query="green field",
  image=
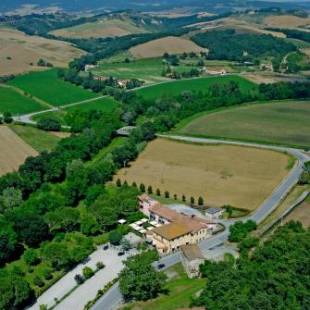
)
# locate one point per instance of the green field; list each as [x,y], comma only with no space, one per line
[149,69]
[16,103]
[48,87]
[107,104]
[284,122]
[40,140]
[180,289]
[175,88]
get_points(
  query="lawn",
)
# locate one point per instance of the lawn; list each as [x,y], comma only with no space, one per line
[284,122]
[175,88]
[40,140]
[16,103]
[107,104]
[222,174]
[48,87]
[180,288]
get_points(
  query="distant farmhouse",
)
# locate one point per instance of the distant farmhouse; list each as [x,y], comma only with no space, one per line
[173,230]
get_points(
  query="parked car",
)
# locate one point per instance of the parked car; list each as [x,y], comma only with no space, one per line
[161,266]
[120,253]
[105,247]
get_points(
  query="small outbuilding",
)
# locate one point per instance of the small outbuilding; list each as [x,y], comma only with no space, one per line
[192,258]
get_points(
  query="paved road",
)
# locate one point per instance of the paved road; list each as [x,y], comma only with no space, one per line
[113,298]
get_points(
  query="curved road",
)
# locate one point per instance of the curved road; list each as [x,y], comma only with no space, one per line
[113,298]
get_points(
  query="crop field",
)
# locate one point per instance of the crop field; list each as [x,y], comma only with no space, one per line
[107,104]
[102,28]
[38,139]
[276,122]
[171,45]
[286,21]
[301,214]
[221,174]
[20,53]
[175,88]
[15,103]
[14,150]
[48,87]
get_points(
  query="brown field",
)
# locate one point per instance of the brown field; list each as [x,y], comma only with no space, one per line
[286,21]
[24,50]
[102,28]
[156,48]
[222,174]
[14,150]
[301,214]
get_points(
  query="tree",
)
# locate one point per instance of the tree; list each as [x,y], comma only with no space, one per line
[118,182]
[167,194]
[175,197]
[240,230]
[115,237]
[7,117]
[126,246]
[87,272]
[183,198]
[142,188]
[10,198]
[139,280]
[100,265]
[31,257]
[8,241]
[149,190]
[79,279]
[158,192]
[200,201]
[49,124]
[192,200]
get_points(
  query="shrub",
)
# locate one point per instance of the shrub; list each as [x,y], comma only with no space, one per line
[88,272]
[79,279]
[100,265]
[115,237]
[38,281]
[47,273]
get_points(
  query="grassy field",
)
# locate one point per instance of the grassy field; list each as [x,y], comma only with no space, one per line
[180,291]
[14,150]
[174,88]
[284,122]
[221,174]
[16,103]
[107,104]
[48,87]
[40,140]
[20,53]
[171,45]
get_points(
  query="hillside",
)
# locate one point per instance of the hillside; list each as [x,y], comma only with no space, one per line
[20,53]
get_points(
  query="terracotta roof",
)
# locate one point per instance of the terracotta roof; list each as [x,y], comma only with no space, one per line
[165,212]
[172,231]
[192,252]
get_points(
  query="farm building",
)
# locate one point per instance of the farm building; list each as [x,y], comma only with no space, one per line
[173,229]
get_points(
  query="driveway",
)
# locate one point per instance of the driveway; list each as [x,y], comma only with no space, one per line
[88,290]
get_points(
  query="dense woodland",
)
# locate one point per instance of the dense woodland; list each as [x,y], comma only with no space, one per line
[294,34]
[231,45]
[274,276]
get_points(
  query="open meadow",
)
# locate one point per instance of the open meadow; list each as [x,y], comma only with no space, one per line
[16,103]
[275,122]
[175,88]
[221,174]
[48,87]
[20,52]
[171,45]
[14,151]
